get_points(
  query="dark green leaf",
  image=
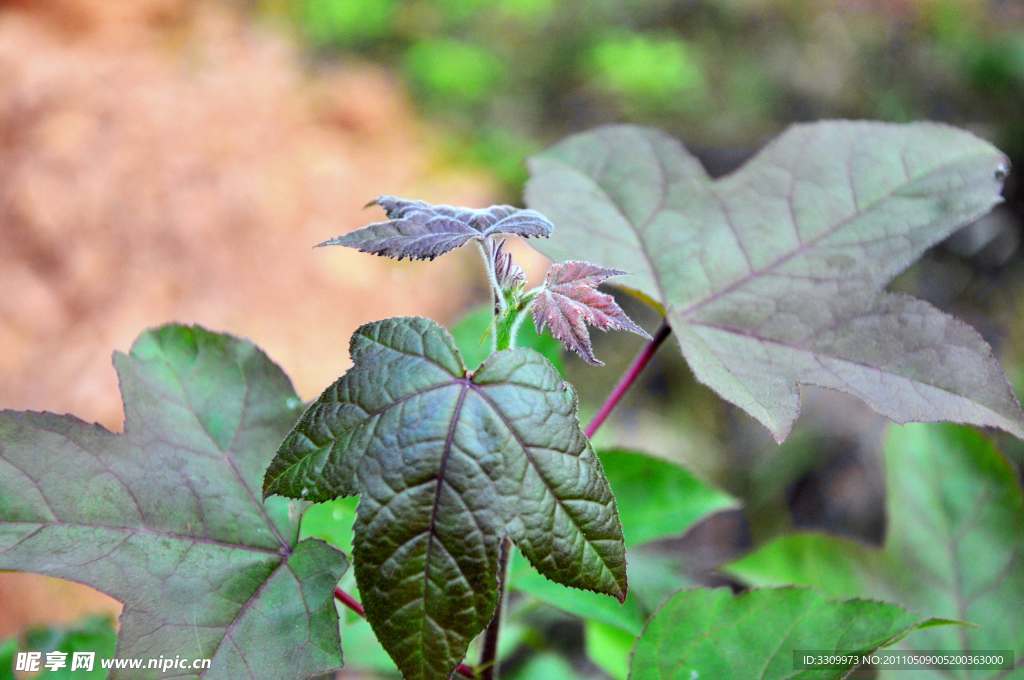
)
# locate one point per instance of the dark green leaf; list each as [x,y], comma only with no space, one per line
[312,462]
[446,463]
[167,517]
[773,276]
[705,633]
[953,546]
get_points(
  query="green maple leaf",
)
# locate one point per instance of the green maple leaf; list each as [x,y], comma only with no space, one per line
[167,517]
[712,633]
[773,276]
[447,462]
[952,548]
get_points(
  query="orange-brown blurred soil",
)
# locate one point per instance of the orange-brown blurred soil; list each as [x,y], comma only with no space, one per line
[170,160]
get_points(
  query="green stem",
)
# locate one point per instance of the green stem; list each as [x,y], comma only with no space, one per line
[505,331]
[507,325]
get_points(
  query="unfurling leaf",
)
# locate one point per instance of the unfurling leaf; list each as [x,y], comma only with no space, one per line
[570,300]
[712,633]
[772,276]
[167,517]
[508,273]
[448,462]
[421,231]
[953,545]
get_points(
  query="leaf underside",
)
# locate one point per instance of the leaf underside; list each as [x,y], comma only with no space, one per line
[712,633]
[167,517]
[447,463]
[570,300]
[953,545]
[422,231]
[773,276]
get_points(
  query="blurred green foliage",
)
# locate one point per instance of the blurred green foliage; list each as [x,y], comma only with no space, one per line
[452,73]
[91,634]
[8,648]
[347,23]
[650,72]
[509,76]
[331,522]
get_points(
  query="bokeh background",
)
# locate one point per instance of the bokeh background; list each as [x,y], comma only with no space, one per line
[175,159]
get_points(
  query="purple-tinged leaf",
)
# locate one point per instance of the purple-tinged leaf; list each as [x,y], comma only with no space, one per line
[167,517]
[508,273]
[773,276]
[420,231]
[570,300]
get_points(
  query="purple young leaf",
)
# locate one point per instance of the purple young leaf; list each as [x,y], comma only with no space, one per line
[508,273]
[570,300]
[421,231]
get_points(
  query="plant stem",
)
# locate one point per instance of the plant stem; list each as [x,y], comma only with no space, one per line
[629,377]
[489,656]
[350,602]
[487,253]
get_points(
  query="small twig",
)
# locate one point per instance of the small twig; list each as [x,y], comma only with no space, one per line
[489,655]
[350,602]
[629,377]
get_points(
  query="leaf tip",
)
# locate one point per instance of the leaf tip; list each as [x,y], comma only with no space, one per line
[334,241]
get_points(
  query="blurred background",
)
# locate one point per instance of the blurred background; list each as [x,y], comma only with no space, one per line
[176,159]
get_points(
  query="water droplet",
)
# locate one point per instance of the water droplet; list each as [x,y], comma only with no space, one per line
[292,403]
[305,492]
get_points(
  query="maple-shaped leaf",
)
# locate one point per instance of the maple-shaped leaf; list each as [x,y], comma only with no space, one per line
[167,517]
[421,231]
[447,463]
[569,300]
[953,547]
[773,276]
